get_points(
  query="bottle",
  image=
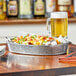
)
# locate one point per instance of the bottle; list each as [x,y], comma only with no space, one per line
[39,8]
[12,8]
[25,9]
[4,7]
[2,16]
[64,6]
[50,7]
[74,2]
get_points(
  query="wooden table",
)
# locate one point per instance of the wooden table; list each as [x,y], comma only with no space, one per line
[30,65]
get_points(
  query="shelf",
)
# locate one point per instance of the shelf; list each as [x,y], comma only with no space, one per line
[29,21]
[72,20]
[22,21]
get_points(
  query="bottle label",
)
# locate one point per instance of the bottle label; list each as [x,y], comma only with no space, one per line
[61,8]
[64,2]
[50,5]
[65,8]
[12,8]
[39,8]
[25,7]
[1,7]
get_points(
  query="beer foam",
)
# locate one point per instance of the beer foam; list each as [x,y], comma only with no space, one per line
[59,15]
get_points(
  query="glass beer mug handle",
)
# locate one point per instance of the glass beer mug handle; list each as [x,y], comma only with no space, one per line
[48,26]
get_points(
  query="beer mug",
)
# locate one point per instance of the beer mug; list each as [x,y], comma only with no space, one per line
[57,24]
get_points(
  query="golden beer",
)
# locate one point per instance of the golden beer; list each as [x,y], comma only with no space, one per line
[57,24]
[59,27]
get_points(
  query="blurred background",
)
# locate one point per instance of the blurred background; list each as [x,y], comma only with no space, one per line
[31,16]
